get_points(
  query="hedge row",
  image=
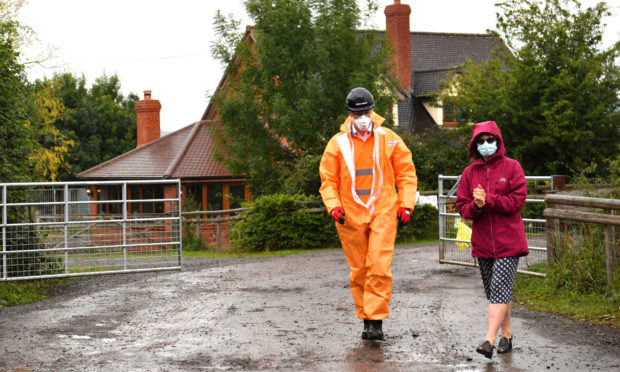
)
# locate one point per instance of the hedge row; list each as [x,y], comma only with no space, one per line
[271,225]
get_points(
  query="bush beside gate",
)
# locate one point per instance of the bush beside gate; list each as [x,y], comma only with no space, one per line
[282,222]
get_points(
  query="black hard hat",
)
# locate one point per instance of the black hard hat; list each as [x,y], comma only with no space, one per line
[360,99]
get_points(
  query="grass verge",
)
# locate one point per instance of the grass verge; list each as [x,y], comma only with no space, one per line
[22,292]
[417,241]
[210,251]
[537,293]
[288,252]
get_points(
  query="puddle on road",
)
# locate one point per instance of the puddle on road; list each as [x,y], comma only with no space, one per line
[370,355]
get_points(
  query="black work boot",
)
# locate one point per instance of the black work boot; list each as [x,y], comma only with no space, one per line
[366,328]
[375,331]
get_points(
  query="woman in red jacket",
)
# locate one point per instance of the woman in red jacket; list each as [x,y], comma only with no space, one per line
[491,193]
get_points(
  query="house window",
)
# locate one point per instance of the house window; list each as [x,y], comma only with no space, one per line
[145,192]
[158,191]
[215,200]
[193,197]
[450,115]
[134,193]
[213,196]
[236,193]
[101,195]
[109,193]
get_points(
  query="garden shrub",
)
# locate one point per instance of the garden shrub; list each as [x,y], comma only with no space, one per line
[31,263]
[423,225]
[533,210]
[271,225]
[304,178]
[27,238]
[580,263]
[191,240]
[438,152]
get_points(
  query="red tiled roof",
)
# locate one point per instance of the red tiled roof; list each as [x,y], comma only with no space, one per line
[186,153]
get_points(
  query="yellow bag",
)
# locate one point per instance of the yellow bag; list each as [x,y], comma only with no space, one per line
[463,233]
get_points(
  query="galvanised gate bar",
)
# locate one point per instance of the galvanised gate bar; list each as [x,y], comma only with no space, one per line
[455,243]
[61,229]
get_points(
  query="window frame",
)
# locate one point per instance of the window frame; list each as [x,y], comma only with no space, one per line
[135,206]
[454,116]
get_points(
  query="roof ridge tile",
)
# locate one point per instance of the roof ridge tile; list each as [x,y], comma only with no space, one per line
[177,159]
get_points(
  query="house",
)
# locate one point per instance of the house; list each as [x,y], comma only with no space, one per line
[187,154]
[422,61]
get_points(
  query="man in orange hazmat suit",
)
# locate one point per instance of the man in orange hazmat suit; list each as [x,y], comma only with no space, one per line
[360,170]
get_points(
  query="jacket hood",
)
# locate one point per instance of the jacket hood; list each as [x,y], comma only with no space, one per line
[486,127]
[376,119]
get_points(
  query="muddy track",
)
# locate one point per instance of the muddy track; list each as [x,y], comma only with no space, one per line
[290,313]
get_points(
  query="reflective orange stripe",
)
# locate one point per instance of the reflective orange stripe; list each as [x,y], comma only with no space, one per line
[364,167]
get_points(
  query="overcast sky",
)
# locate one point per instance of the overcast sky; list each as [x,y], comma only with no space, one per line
[164,45]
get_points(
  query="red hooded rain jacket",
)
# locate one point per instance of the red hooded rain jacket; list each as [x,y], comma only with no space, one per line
[498,229]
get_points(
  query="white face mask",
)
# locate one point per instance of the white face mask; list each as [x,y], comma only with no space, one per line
[487,149]
[362,122]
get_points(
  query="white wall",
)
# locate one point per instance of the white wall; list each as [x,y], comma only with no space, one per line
[436,112]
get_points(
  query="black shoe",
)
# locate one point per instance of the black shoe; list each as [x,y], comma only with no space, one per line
[366,328]
[504,345]
[375,331]
[486,349]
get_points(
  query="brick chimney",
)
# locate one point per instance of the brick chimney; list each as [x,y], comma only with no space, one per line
[147,117]
[397,30]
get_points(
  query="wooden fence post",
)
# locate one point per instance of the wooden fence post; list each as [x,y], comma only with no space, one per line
[552,228]
[610,255]
[198,230]
[218,246]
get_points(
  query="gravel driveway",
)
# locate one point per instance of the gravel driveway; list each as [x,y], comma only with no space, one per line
[291,313]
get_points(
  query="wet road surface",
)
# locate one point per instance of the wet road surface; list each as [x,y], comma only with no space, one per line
[291,313]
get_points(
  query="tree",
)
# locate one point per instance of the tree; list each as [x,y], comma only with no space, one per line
[285,93]
[555,98]
[100,120]
[25,36]
[55,128]
[23,121]
[32,148]
[438,152]
[16,141]
[50,157]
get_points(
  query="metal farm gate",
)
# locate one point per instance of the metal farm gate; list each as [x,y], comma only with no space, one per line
[455,233]
[61,229]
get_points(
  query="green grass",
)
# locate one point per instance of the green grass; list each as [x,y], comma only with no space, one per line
[212,254]
[13,293]
[417,241]
[542,294]
[92,255]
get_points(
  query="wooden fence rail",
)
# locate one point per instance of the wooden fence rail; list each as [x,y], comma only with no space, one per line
[555,215]
[219,217]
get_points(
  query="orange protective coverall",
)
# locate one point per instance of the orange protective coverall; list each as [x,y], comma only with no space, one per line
[361,176]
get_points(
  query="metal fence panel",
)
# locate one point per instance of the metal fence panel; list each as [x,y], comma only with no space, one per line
[57,229]
[455,244]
